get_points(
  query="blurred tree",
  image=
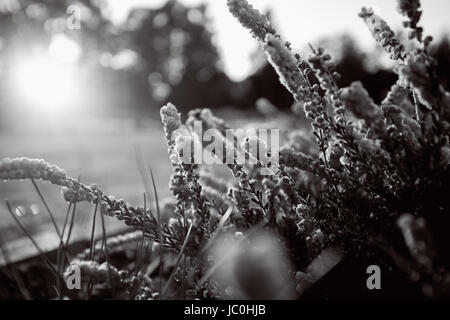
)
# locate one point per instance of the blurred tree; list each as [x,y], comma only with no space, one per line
[24,23]
[180,60]
[28,29]
[354,65]
[161,54]
[263,83]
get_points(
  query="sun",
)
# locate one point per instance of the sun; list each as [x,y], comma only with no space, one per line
[48,81]
[45,83]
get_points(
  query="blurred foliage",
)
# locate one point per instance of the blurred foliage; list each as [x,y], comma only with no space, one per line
[159,55]
[179,57]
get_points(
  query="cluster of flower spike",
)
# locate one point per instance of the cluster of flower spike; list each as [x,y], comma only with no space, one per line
[214,188]
[293,72]
[316,239]
[74,191]
[411,10]
[251,18]
[171,120]
[287,67]
[415,74]
[132,216]
[38,169]
[26,168]
[184,182]
[358,101]
[383,34]
[325,70]
[111,242]
[291,158]
[93,272]
[74,194]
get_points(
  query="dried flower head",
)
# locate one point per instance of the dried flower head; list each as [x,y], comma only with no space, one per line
[383,34]
[251,18]
[171,120]
[286,66]
[412,10]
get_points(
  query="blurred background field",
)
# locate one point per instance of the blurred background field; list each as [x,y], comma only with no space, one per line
[102,156]
[82,82]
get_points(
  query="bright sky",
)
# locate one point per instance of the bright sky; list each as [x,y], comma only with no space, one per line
[299,21]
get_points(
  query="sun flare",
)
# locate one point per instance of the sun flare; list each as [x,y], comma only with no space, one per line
[48,81]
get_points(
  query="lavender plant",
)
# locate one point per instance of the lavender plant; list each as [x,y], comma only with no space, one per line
[376,179]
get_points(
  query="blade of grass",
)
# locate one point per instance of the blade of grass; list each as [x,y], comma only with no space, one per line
[141,244]
[61,248]
[72,220]
[141,166]
[66,219]
[218,229]
[16,276]
[152,266]
[105,247]
[180,255]
[25,231]
[158,213]
[92,250]
[41,196]
[147,251]
[90,285]
[55,225]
